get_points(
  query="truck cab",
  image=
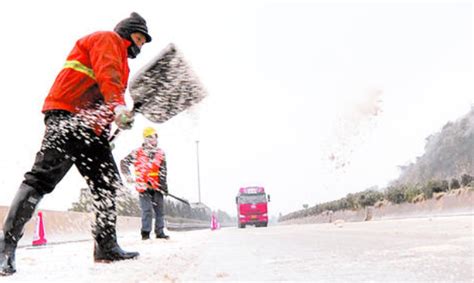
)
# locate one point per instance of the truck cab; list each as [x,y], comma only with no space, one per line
[252,208]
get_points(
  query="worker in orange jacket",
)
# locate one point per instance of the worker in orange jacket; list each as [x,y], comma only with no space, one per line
[149,162]
[86,97]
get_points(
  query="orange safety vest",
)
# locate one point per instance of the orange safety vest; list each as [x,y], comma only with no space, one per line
[95,74]
[147,172]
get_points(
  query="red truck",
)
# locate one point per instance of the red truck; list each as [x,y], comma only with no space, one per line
[252,207]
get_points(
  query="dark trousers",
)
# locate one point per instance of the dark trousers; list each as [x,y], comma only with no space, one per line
[66,142]
[151,202]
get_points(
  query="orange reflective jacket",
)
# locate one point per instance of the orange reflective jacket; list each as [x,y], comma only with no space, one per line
[147,172]
[95,75]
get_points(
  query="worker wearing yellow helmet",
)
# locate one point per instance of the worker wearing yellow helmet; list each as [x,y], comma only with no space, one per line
[148,132]
[149,163]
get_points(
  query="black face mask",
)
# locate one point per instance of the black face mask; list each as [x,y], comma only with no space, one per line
[133,51]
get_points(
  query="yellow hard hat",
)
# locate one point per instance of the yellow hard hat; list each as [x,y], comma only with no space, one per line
[149,131]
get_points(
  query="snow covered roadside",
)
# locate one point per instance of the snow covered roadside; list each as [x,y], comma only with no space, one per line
[160,260]
[438,249]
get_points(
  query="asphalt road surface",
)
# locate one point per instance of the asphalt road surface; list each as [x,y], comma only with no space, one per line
[437,249]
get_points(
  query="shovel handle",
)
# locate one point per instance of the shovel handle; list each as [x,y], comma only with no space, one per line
[175,197]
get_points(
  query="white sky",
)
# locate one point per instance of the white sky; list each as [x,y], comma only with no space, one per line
[311,99]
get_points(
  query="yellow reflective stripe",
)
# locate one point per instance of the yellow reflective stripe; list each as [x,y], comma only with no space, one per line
[78,66]
[152,174]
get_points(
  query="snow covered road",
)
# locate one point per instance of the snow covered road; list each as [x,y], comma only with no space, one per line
[421,249]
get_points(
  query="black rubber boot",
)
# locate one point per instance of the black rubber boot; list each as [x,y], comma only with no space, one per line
[106,248]
[162,235]
[21,210]
[145,235]
[110,252]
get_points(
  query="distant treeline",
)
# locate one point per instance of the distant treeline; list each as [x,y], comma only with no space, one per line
[128,205]
[393,194]
[447,164]
[447,154]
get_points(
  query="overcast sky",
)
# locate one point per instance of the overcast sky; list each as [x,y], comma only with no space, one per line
[310,99]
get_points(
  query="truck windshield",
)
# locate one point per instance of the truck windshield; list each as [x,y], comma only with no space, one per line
[253,198]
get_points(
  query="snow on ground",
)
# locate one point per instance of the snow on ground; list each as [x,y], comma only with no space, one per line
[160,260]
[404,250]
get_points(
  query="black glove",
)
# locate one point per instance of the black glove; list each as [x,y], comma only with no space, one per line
[150,191]
[164,189]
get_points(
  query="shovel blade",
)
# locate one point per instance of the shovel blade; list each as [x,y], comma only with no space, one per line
[166,86]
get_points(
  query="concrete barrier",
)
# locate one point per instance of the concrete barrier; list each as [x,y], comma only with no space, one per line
[183,224]
[69,226]
[458,202]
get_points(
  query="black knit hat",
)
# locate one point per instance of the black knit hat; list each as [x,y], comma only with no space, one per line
[134,23]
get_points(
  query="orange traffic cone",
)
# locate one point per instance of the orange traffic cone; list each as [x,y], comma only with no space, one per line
[214,224]
[39,238]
